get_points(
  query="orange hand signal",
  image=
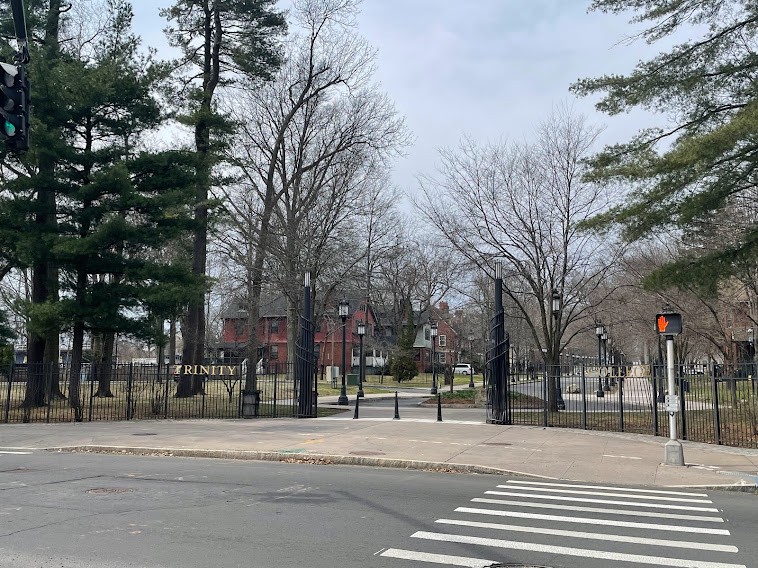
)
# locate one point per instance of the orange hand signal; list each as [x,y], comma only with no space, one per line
[663,323]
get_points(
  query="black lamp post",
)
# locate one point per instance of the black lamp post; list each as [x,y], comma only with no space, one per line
[607,386]
[361,333]
[433,324]
[556,296]
[471,357]
[344,308]
[599,331]
[752,368]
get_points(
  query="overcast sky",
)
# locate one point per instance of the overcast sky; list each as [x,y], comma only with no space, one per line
[489,69]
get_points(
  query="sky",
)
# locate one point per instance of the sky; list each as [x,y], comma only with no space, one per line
[486,69]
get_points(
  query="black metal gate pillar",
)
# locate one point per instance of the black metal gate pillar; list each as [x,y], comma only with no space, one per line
[305,360]
[498,386]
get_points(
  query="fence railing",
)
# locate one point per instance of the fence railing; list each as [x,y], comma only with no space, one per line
[42,393]
[719,405]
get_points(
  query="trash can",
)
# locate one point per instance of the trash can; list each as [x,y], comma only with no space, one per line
[251,401]
[352,379]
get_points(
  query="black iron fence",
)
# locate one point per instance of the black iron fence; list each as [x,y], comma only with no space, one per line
[719,404]
[43,393]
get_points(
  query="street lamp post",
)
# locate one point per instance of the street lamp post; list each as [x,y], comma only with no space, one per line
[599,331]
[433,324]
[361,333]
[471,357]
[752,369]
[556,296]
[344,307]
[607,386]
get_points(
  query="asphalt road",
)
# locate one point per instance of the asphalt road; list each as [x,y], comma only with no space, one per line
[89,510]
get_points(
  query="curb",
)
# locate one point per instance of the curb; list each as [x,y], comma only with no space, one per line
[315,459]
[327,459]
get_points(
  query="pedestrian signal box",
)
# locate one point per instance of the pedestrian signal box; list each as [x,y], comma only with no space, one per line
[668,324]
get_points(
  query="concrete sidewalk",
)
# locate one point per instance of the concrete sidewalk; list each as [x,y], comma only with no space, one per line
[462,442]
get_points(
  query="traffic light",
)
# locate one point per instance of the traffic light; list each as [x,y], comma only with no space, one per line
[14,107]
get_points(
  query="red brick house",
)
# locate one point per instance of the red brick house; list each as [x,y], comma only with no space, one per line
[446,346]
[272,334]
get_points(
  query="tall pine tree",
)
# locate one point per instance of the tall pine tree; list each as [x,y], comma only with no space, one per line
[701,171]
[116,204]
[219,39]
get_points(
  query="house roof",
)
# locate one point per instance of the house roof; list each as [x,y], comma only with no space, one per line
[276,306]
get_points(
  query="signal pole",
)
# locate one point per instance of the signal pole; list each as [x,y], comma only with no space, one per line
[19,23]
[669,324]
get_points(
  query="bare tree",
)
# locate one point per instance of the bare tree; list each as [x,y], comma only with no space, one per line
[309,141]
[523,204]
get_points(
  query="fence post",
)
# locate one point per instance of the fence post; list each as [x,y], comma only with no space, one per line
[49,389]
[620,384]
[129,379]
[165,393]
[202,407]
[654,381]
[10,392]
[91,394]
[716,413]
[584,399]
[544,397]
[683,410]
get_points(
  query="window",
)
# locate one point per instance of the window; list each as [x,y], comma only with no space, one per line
[274,352]
[273,326]
[442,339]
[441,357]
[427,334]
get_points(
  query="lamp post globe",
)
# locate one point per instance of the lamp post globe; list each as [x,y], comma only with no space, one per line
[433,332]
[344,309]
[361,333]
[599,331]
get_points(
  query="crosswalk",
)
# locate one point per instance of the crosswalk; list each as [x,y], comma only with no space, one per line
[569,524]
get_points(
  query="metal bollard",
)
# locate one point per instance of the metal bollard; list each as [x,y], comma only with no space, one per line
[355,416]
[397,408]
[439,408]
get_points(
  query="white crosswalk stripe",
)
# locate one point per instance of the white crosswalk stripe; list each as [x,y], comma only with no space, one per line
[512,482]
[560,521]
[622,512]
[603,501]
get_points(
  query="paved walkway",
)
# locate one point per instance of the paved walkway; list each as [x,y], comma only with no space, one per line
[462,442]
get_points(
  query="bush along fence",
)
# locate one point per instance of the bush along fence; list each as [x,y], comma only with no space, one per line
[719,403]
[138,392]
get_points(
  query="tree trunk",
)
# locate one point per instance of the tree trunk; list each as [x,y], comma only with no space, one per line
[105,366]
[35,384]
[172,342]
[75,369]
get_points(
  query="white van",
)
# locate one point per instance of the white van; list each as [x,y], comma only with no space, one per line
[462,369]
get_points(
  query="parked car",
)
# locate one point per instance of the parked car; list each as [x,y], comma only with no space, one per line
[462,369]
